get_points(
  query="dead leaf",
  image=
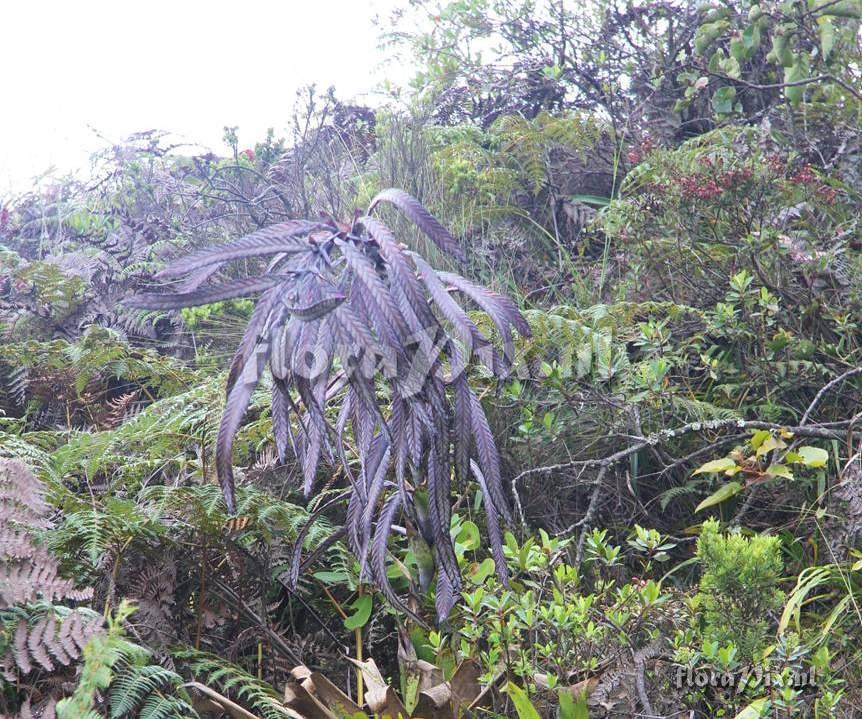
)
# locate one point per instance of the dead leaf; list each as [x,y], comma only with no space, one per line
[465,683]
[434,703]
[380,697]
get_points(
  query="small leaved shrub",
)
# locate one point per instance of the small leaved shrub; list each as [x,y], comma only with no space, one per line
[739,591]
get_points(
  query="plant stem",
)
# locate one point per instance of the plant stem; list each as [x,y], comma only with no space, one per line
[360,689]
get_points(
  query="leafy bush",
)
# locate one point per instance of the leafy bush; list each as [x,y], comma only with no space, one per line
[739,592]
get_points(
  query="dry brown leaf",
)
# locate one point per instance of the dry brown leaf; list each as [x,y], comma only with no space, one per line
[298,699]
[465,684]
[434,703]
[380,697]
[331,695]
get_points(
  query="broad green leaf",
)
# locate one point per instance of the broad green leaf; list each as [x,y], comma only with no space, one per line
[733,70]
[469,536]
[722,100]
[751,38]
[844,8]
[813,457]
[779,470]
[721,494]
[755,710]
[361,613]
[522,702]
[759,437]
[795,73]
[716,466]
[770,443]
[707,34]
[480,572]
[571,709]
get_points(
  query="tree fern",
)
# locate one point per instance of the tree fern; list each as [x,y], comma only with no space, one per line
[697,410]
[15,445]
[581,346]
[673,493]
[530,142]
[96,528]
[134,688]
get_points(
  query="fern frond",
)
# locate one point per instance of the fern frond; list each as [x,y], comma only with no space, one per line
[45,634]
[695,410]
[148,691]
[258,696]
[27,572]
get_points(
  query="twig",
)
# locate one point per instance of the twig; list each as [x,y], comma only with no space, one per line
[226,705]
[640,682]
[710,448]
[781,85]
[587,519]
[232,598]
[823,390]
[666,434]
[746,505]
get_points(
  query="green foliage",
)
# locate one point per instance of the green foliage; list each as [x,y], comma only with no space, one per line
[512,155]
[90,531]
[120,668]
[194,317]
[148,691]
[554,621]
[217,672]
[576,344]
[764,458]
[738,587]
[100,656]
[808,43]
[841,587]
[672,190]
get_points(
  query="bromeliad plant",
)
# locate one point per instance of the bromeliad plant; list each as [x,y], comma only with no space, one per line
[341,307]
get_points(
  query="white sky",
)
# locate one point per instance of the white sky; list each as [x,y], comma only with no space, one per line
[185,66]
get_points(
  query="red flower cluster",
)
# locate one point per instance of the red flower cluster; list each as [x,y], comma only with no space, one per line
[776,164]
[694,186]
[703,187]
[805,176]
[636,154]
[734,177]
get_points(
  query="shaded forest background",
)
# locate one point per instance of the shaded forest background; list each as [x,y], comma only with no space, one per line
[669,192]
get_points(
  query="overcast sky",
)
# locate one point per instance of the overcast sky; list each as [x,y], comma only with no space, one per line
[186,66]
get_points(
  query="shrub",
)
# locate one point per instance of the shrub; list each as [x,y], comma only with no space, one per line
[738,588]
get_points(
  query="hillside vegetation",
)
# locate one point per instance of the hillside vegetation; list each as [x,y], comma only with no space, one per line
[534,392]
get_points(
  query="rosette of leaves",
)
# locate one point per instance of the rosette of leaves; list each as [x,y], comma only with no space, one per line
[347,314]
